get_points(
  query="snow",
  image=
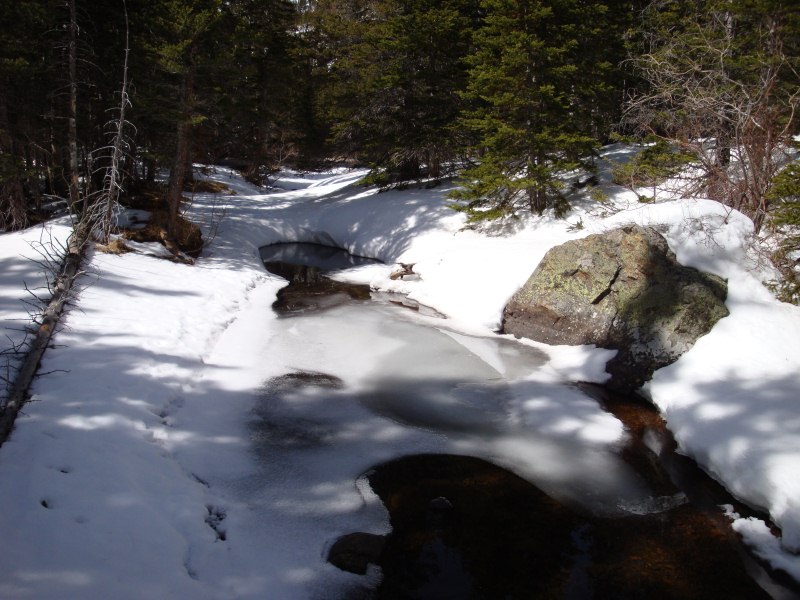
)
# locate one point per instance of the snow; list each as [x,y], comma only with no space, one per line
[169,452]
[24,258]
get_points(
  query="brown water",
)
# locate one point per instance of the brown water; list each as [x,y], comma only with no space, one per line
[465,528]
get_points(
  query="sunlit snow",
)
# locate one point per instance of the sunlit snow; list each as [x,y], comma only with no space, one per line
[162,455]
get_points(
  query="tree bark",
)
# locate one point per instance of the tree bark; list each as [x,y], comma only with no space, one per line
[113,181]
[72,142]
[177,176]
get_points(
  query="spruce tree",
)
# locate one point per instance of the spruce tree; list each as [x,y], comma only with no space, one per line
[395,83]
[259,122]
[26,79]
[177,52]
[784,194]
[535,85]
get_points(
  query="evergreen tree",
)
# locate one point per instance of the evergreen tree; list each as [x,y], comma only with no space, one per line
[25,82]
[395,82]
[784,194]
[210,79]
[177,55]
[536,88]
[260,121]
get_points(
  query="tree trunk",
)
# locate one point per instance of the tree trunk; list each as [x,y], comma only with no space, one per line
[177,176]
[72,142]
[32,178]
[537,199]
[113,180]
[719,178]
[12,198]
[41,340]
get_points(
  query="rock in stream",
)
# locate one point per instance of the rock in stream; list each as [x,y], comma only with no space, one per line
[624,290]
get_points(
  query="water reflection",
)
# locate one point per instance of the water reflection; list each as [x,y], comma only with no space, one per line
[323,258]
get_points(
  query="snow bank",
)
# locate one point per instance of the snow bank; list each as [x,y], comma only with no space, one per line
[732,401]
[132,473]
[24,259]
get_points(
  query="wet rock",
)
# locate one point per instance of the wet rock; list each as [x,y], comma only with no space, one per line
[354,552]
[438,511]
[310,290]
[623,290]
[305,266]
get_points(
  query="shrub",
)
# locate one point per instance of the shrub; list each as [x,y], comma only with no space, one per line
[784,198]
[651,166]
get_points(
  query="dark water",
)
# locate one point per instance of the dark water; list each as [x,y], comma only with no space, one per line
[306,266]
[322,258]
[463,527]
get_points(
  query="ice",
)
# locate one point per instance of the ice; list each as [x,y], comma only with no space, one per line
[409,387]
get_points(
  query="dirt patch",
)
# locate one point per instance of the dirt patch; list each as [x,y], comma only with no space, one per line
[204,186]
[187,237]
[115,246]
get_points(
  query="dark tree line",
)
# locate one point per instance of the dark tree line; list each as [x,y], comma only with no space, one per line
[511,94]
[208,80]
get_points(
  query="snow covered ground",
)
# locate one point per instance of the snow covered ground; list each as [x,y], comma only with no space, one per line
[164,454]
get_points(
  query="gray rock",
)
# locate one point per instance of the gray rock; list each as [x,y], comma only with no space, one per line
[624,290]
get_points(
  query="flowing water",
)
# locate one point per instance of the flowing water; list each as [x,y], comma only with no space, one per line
[497,484]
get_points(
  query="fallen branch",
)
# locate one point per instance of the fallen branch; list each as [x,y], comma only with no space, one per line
[64,281]
[403,270]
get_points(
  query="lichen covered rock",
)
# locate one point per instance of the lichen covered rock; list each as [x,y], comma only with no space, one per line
[625,290]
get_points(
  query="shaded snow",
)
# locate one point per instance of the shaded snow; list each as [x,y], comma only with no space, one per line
[163,456]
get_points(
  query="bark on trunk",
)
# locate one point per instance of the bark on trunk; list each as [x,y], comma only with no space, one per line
[74,192]
[177,176]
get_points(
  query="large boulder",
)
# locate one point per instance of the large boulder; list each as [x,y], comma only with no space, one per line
[624,290]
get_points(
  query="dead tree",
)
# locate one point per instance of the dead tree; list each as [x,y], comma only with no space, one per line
[102,214]
[62,289]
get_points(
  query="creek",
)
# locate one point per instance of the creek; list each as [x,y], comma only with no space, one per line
[497,484]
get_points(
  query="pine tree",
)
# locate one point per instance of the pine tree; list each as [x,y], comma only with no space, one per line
[784,194]
[395,83]
[535,86]
[28,88]
[260,121]
[177,54]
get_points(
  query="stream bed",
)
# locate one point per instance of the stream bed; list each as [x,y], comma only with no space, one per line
[497,484]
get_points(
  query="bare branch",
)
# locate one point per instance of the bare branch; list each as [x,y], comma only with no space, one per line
[735,120]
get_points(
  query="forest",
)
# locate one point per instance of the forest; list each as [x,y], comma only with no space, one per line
[178,422]
[96,98]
